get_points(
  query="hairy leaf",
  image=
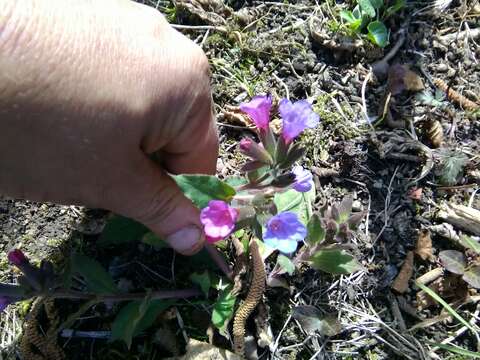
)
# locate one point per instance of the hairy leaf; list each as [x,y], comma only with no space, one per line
[316,232]
[203,188]
[223,309]
[453,260]
[377,4]
[120,230]
[203,280]
[345,208]
[451,167]
[300,203]
[285,264]
[334,261]
[378,33]
[98,280]
[367,8]
[397,6]
[136,317]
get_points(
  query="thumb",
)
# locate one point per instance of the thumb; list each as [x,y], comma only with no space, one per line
[154,199]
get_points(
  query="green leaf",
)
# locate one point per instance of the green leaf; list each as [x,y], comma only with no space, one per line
[470,243]
[312,320]
[447,307]
[377,4]
[286,264]
[456,350]
[316,232]
[453,260]
[203,280]
[152,239]
[397,6]
[348,16]
[378,33]
[344,209]
[98,280]
[334,261]
[367,8]
[294,153]
[299,203]
[472,276]
[121,230]
[223,309]
[203,188]
[136,317]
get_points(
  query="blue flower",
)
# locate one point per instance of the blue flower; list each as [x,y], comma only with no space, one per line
[4,302]
[296,117]
[284,231]
[303,179]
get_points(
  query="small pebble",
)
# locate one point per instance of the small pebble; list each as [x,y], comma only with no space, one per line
[442,68]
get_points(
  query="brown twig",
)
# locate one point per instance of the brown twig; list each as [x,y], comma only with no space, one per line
[255,293]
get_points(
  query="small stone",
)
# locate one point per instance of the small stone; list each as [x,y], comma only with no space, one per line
[442,68]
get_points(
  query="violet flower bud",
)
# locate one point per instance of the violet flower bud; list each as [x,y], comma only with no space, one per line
[17,258]
[255,151]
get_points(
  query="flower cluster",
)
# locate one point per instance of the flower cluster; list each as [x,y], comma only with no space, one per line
[269,166]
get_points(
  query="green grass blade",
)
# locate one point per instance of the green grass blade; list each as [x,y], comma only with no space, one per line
[457,350]
[447,307]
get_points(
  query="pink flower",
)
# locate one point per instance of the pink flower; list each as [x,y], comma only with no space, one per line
[259,110]
[218,220]
[255,151]
[16,257]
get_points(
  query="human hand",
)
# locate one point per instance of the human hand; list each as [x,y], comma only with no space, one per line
[89,90]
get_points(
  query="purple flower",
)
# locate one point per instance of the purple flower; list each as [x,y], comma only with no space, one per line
[296,118]
[4,302]
[259,110]
[284,231]
[218,220]
[16,257]
[303,179]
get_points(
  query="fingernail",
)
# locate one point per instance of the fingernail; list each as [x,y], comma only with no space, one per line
[187,241]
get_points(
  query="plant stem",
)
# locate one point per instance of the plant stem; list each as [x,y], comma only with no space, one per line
[219,260]
[154,295]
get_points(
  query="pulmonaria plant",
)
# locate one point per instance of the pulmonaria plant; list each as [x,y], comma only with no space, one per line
[272,201]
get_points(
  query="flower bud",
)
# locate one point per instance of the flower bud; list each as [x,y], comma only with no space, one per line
[17,258]
[254,151]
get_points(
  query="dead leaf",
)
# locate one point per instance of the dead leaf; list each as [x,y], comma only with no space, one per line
[312,320]
[400,284]
[401,78]
[423,247]
[198,350]
[211,11]
[264,332]
[451,288]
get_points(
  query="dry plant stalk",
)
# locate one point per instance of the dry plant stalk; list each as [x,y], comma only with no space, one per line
[34,345]
[400,284]
[255,293]
[463,217]
[455,96]
[430,276]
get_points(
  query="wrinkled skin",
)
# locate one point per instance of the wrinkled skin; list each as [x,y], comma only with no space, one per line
[89,91]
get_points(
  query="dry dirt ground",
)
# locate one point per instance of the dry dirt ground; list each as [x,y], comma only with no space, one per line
[394,167]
